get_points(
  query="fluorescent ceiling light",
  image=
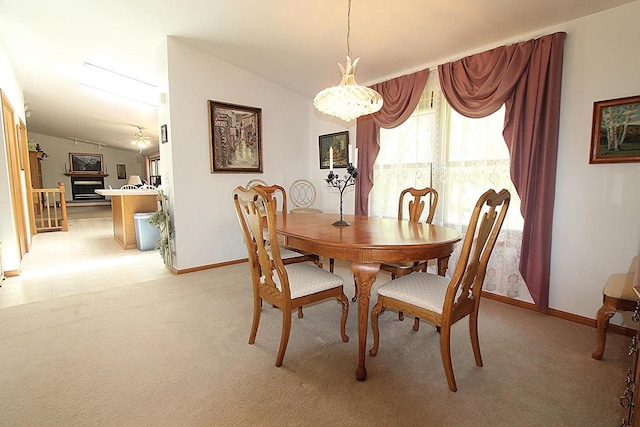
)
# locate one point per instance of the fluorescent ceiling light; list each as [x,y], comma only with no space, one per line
[101,79]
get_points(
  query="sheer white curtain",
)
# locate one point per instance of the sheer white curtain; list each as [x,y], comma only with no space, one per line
[461,158]
[406,156]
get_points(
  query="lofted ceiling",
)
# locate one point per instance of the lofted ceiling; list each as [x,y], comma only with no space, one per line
[294,43]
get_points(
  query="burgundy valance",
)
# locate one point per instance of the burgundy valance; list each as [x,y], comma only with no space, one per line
[527,78]
[400,96]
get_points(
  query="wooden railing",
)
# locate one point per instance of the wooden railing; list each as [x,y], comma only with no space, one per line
[50,208]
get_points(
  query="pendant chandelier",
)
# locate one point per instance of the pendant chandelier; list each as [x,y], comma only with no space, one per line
[348,100]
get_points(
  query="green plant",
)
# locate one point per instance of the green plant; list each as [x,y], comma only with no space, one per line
[161,220]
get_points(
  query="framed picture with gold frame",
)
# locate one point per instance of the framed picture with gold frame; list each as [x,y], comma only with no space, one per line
[235,137]
[615,131]
[339,141]
[121,170]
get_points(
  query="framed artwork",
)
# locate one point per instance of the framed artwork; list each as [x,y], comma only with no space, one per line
[122,171]
[615,132]
[163,134]
[235,137]
[340,143]
[85,163]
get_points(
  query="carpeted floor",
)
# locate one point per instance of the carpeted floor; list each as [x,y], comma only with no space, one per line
[173,351]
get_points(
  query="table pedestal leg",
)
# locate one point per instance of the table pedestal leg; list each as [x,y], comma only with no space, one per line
[365,276]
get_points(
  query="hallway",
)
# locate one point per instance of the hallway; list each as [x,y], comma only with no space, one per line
[85,259]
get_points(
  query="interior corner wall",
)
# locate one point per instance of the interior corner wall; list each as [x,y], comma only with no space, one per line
[206,228]
[12,89]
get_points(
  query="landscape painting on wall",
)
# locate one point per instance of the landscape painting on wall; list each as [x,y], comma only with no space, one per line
[85,163]
[615,133]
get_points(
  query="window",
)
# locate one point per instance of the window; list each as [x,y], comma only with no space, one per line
[154,171]
[406,157]
[461,158]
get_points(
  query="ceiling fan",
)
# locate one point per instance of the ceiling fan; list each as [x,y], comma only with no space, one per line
[140,139]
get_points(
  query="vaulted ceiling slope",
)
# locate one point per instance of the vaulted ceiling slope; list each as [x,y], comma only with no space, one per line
[295,44]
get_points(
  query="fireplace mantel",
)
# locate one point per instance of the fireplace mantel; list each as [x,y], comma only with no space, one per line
[87,175]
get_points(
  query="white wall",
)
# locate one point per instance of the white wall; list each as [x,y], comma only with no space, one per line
[596,229]
[207,230]
[58,149]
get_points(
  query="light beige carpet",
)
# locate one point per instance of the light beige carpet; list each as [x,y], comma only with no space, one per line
[174,352]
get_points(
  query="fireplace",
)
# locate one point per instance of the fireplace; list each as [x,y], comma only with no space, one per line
[82,188]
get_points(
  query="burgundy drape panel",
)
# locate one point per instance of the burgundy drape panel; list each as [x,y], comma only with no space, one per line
[400,96]
[526,77]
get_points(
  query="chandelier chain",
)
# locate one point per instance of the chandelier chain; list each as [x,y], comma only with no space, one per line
[348,100]
[349,29]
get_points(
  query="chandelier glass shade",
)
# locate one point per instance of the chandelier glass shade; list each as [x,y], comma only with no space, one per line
[348,100]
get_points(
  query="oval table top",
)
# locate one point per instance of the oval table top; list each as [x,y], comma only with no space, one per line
[370,239]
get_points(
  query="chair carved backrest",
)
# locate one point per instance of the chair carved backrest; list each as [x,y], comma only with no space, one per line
[417,204]
[274,192]
[463,293]
[255,210]
[129,187]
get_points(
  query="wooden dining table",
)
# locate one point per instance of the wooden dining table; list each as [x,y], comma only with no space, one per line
[367,242]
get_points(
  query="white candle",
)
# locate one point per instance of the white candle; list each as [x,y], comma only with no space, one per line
[351,152]
[355,159]
[330,158]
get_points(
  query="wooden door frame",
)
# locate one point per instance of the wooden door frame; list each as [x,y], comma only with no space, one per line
[13,163]
[23,147]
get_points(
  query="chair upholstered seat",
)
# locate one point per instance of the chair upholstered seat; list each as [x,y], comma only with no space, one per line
[307,279]
[413,201]
[621,286]
[424,290]
[444,301]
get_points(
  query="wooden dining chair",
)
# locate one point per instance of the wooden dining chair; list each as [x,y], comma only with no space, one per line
[251,183]
[617,295]
[413,201]
[286,287]
[415,206]
[289,256]
[444,301]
